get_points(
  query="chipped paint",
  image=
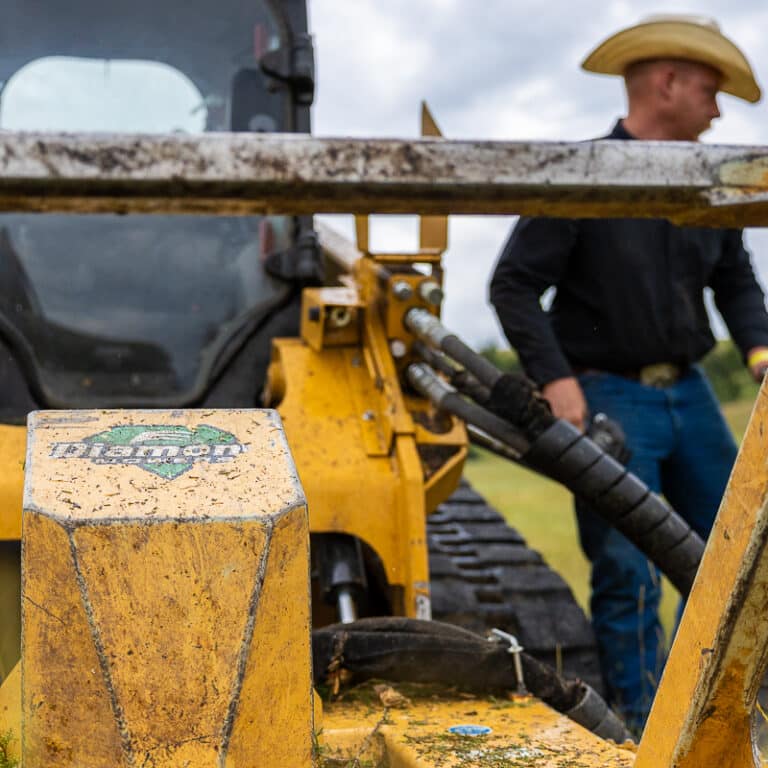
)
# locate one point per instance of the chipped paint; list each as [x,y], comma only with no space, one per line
[154,616]
[748,172]
[77,490]
[702,713]
[525,733]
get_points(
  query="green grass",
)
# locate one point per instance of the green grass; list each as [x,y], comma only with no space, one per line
[6,761]
[542,511]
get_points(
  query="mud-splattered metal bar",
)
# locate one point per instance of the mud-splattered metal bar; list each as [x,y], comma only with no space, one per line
[279,173]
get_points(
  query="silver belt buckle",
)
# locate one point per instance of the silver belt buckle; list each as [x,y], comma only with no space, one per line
[659,375]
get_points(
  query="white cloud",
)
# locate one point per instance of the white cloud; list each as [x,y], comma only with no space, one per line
[363,51]
[474,246]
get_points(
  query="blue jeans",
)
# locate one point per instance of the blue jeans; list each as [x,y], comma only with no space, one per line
[681,447]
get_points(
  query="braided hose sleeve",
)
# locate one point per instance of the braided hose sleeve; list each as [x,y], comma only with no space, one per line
[563,453]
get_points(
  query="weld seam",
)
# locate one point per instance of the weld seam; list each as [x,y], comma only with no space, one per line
[245,647]
[117,710]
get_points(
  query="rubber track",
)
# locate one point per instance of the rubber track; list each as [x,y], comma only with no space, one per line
[483,575]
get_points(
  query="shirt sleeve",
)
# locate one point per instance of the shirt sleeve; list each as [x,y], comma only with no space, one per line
[533,259]
[738,295]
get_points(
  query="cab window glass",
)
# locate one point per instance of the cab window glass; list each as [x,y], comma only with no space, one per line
[73,94]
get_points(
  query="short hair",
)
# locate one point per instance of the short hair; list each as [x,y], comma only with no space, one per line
[639,68]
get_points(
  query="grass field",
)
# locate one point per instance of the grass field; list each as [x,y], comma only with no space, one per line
[542,511]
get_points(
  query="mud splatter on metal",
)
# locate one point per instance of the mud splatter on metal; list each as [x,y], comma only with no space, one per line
[278,173]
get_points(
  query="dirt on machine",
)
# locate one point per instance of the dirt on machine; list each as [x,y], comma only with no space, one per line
[233,450]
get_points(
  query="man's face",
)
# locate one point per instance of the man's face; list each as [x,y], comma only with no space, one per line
[693,99]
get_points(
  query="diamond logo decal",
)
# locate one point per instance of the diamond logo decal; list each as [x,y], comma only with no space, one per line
[167,451]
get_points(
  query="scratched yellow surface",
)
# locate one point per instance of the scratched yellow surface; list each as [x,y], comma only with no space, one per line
[80,488]
[13,442]
[156,624]
[523,733]
[703,710]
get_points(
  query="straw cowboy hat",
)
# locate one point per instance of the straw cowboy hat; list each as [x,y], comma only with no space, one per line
[692,38]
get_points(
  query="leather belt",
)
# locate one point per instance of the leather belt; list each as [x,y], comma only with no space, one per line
[659,375]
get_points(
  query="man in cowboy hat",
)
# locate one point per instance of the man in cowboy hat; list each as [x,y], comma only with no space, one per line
[628,325]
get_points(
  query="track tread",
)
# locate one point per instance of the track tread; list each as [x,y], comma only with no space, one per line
[484,575]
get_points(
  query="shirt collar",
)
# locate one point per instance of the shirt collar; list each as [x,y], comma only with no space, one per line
[620,132]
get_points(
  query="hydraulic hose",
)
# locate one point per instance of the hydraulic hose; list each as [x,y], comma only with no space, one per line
[682,557]
[427,383]
[515,415]
[517,397]
[458,377]
[410,650]
[484,440]
[428,329]
[563,453]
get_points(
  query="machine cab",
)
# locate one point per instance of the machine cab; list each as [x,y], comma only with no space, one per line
[107,310]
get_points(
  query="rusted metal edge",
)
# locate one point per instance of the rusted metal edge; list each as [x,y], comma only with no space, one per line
[291,173]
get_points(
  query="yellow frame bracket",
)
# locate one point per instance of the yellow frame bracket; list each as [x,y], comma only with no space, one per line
[703,711]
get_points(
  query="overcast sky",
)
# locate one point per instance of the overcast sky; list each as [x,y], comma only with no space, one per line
[497,69]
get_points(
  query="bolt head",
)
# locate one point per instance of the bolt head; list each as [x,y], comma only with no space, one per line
[398,348]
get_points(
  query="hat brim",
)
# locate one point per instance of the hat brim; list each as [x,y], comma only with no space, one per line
[676,40]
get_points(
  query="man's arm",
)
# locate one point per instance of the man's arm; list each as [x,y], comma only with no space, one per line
[740,300]
[534,258]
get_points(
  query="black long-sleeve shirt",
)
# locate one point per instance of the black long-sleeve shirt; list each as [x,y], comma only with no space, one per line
[629,292]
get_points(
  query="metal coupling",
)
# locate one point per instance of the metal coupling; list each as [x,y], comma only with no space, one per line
[402,290]
[426,326]
[427,383]
[431,292]
[345,605]
[482,438]
[515,649]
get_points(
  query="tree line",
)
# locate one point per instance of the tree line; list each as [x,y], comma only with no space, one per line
[724,367]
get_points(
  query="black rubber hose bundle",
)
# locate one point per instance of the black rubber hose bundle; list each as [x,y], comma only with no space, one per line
[410,650]
[560,451]
[621,498]
[425,381]
[458,377]
[516,399]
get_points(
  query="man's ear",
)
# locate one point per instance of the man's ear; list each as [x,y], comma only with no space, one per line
[666,82]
